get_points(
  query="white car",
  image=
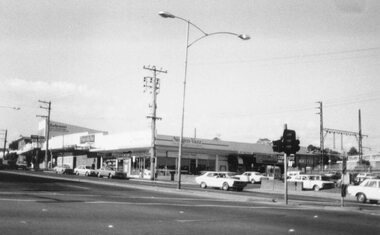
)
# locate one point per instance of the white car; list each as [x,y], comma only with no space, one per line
[314,182]
[369,189]
[84,170]
[251,176]
[223,180]
[362,176]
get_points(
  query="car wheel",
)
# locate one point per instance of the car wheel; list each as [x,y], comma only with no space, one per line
[253,181]
[86,174]
[225,186]
[361,198]
[110,175]
[203,185]
[316,188]
[99,175]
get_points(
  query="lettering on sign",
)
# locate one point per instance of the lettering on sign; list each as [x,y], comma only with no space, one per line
[188,140]
[57,127]
[87,139]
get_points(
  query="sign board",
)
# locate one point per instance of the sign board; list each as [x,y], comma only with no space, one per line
[37,137]
[87,139]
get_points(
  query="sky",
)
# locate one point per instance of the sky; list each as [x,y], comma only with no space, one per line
[88,57]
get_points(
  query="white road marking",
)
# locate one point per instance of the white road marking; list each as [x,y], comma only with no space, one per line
[73,186]
[17,200]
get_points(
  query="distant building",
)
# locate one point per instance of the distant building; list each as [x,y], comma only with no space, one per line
[264,141]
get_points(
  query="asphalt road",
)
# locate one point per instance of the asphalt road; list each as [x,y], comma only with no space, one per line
[31,205]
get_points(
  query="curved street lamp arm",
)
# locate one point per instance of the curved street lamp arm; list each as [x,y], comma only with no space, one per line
[211,34]
[189,22]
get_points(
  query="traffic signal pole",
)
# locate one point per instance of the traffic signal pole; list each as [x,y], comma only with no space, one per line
[288,144]
[285,179]
[285,174]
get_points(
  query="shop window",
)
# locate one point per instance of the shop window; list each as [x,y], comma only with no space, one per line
[166,165]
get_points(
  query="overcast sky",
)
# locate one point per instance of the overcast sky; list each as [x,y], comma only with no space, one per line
[87,58]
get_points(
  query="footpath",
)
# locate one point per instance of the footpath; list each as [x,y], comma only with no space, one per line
[256,195]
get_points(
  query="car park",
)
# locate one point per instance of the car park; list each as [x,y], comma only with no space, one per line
[369,189]
[251,176]
[63,169]
[223,180]
[84,170]
[314,182]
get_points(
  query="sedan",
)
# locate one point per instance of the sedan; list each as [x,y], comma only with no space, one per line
[84,170]
[369,189]
[222,180]
[63,169]
[110,173]
[251,176]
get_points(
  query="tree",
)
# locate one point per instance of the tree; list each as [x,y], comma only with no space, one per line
[353,151]
[312,148]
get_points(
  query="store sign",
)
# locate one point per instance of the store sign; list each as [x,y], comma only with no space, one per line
[188,140]
[58,127]
[87,139]
[267,159]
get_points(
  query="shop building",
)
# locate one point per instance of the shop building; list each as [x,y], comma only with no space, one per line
[131,152]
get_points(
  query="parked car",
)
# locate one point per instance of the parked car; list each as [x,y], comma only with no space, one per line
[110,173]
[222,180]
[369,189]
[315,182]
[21,165]
[84,170]
[362,176]
[63,169]
[251,176]
[334,177]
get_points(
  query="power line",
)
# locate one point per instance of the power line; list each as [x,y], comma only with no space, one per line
[304,56]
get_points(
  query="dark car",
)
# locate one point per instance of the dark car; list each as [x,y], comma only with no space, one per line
[64,169]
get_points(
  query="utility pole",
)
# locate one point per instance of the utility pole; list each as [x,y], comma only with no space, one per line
[5,142]
[321,131]
[47,129]
[360,140]
[153,84]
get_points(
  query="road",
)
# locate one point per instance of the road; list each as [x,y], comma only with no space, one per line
[31,205]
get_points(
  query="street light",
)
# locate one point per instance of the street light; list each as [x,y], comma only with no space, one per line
[9,107]
[165,14]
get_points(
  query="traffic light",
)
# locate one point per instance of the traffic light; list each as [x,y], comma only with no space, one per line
[296,146]
[289,139]
[277,146]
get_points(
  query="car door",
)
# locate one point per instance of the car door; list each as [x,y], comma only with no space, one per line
[212,179]
[373,190]
[307,182]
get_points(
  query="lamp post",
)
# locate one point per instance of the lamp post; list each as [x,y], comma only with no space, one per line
[9,107]
[165,14]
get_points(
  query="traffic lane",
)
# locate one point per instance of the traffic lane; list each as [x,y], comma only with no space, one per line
[275,197]
[55,190]
[213,217]
[116,210]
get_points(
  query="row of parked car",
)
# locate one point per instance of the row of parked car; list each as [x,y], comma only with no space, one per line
[105,171]
[366,186]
